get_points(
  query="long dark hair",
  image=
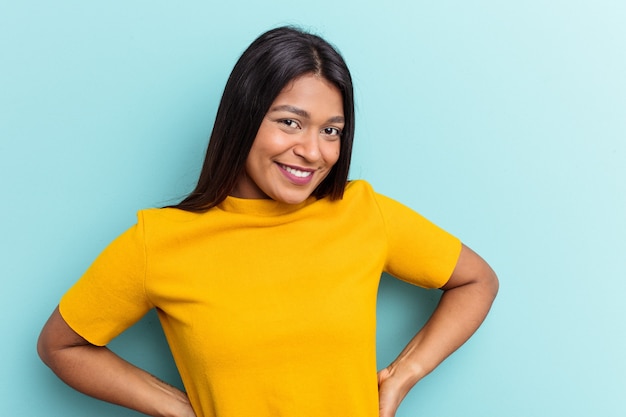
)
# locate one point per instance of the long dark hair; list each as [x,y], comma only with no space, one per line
[273,60]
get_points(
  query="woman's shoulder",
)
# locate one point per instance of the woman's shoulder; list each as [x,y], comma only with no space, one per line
[359,194]
[166,217]
[358,186]
[362,192]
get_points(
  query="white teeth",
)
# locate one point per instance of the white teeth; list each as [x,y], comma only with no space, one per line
[297,172]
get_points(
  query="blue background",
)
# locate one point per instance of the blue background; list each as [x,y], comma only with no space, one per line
[504,122]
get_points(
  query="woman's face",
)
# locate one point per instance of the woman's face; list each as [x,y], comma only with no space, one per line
[297,143]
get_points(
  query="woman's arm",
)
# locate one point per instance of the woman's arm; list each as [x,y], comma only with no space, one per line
[467,297]
[98,372]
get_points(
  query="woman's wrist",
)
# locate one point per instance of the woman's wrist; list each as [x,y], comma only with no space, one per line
[172,401]
[406,372]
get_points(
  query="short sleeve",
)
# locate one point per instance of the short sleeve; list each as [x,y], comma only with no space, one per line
[419,251]
[110,296]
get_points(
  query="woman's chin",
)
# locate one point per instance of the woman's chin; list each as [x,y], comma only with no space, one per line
[292,197]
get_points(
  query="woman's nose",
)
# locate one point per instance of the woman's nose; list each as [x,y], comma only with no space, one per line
[308,147]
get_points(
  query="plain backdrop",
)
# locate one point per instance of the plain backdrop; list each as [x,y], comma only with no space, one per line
[503,122]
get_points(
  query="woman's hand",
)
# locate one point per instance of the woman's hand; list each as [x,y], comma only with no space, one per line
[391,391]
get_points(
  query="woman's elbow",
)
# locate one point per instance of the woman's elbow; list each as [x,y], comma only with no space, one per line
[490,282]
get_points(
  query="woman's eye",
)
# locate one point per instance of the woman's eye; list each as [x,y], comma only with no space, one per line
[289,123]
[331,131]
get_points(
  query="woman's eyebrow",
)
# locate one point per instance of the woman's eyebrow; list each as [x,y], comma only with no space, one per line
[292,109]
[337,119]
[303,113]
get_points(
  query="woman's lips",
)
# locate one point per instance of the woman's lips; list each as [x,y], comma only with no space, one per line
[299,176]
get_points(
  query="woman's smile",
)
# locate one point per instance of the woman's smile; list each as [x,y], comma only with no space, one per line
[299,176]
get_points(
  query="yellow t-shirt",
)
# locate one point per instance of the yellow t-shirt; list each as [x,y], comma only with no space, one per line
[269,309]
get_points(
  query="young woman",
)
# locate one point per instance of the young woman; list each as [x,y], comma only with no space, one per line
[265,276]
